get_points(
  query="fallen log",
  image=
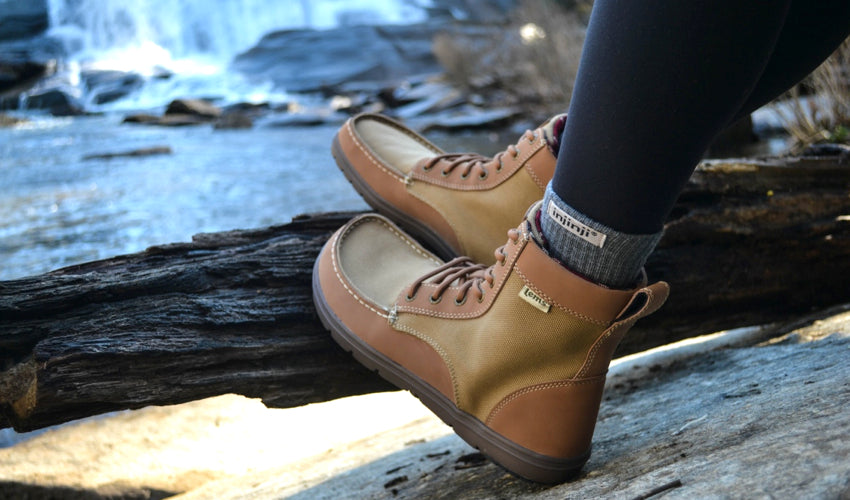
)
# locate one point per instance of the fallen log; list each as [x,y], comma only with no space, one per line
[750,242]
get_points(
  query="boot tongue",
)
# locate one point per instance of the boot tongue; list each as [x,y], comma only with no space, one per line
[552,131]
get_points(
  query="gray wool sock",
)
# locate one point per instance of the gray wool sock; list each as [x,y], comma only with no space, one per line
[591,249]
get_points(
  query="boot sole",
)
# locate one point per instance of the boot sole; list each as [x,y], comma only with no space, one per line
[416,228]
[509,455]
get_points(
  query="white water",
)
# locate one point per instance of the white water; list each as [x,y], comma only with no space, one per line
[196,39]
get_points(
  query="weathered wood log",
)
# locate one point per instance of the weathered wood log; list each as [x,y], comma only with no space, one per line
[749,242]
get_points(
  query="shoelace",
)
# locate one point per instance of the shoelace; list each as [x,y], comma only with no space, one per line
[467,273]
[468,161]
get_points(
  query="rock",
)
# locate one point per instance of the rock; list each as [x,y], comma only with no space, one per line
[23,63]
[482,11]
[161,451]
[721,419]
[22,19]
[193,107]
[465,117]
[185,112]
[10,121]
[20,75]
[432,98]
[174,120]
[105,86]
[309,118]
[252,109]
[234,120]
[181,120]
[59,100]
[151,151]
[143,118]
[353,55]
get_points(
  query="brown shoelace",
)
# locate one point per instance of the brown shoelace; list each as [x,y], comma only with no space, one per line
[468,274]
[469,161]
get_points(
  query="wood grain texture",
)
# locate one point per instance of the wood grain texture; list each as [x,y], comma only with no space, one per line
[749,242]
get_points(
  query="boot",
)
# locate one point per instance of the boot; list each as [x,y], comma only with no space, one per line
[513,356]
[458,203]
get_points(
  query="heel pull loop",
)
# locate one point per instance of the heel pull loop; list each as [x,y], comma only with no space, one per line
[644,302]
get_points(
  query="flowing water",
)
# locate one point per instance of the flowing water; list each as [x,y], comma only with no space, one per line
[195,40]
[58,209]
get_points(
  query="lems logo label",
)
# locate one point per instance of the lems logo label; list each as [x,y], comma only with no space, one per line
[584,232]
[532,298]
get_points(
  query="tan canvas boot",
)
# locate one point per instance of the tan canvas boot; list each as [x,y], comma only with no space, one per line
[458,203]
[513,356]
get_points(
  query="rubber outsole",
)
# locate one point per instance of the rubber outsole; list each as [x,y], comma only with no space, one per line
[416,228]
[511,456]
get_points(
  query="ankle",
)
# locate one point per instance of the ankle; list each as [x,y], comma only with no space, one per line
[591,249]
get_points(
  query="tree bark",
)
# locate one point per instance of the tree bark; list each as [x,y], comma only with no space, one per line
[749,242]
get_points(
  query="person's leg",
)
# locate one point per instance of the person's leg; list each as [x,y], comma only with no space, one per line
[812,31]
[658,80]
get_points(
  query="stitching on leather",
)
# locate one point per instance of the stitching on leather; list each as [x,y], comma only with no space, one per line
[409,242]
[527,166]
[416,137]
[434,345]
[341,236]
[558,305]
[535,388]
[537,180]
[463,249]
[534,176]
[627,323]
[334,256]
[356,141]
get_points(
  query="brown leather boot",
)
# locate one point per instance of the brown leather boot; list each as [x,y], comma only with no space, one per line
[513,356]
[457,203]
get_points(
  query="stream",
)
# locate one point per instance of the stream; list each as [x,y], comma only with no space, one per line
[58,208]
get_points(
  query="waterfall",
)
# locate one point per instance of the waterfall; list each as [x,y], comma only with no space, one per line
[212,29]
[194,40]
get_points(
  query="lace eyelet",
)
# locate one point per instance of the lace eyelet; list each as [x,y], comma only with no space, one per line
[461,302]
[481,299]
[409,298]
[435,301]
[483,175]
[444,173]
[427,168]
[464,176]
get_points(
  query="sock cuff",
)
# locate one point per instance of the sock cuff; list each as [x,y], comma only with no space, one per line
[591,248]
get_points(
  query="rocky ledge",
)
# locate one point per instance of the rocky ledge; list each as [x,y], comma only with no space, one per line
[758,412]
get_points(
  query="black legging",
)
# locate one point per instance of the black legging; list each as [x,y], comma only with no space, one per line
[659,79]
